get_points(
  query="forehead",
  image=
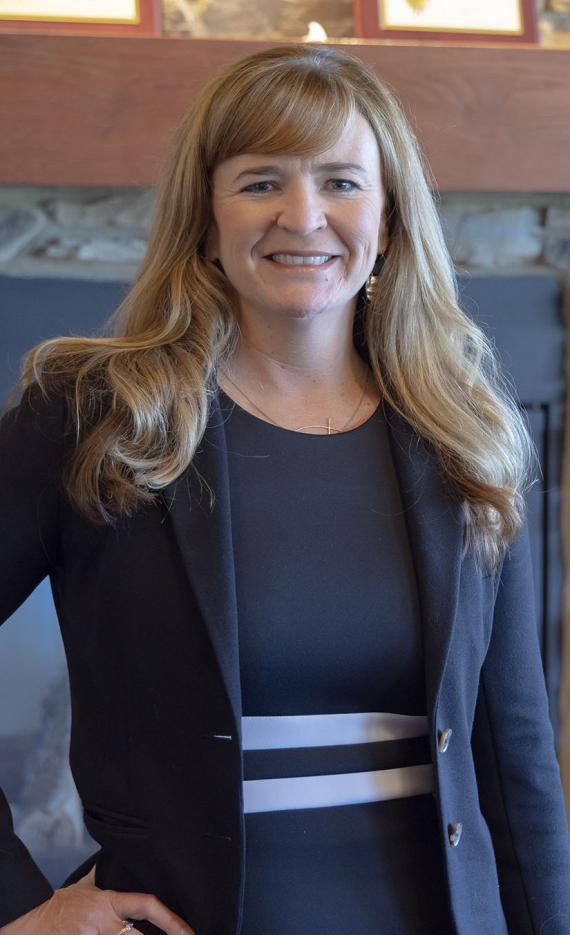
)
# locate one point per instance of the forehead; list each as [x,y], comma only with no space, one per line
[357,145]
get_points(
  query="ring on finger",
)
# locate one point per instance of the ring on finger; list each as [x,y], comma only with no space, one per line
[127,927]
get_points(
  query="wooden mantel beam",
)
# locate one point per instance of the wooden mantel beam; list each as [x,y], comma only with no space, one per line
[100,111]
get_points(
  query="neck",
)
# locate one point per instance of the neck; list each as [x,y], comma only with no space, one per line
[298,359]
[300,372]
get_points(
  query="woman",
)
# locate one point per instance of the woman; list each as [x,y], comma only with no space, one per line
[375,728]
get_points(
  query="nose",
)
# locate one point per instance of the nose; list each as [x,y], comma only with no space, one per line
[301,210]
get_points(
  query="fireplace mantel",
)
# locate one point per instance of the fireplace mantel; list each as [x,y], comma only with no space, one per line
[97,111]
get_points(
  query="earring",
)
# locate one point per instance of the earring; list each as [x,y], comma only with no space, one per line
[376,270]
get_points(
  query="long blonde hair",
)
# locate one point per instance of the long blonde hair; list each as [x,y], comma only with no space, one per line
[140,393]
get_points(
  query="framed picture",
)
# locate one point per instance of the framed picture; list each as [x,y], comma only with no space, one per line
[81,17]
[456,20]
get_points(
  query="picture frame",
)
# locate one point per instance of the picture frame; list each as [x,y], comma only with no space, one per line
[82,17]
[501,21]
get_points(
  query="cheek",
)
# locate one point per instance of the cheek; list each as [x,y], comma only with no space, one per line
[364,241]
[367,225]
[361,231]
[239,233]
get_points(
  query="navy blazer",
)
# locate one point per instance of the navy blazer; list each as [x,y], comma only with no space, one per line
[149,622]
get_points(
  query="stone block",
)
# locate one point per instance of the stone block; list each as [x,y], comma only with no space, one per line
[558,219]
[64,248]
[18,228]
[124,209]
[114,251]
[493,239]
[136,212]
[557,252]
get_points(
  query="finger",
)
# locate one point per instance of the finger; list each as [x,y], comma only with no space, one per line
[141,906]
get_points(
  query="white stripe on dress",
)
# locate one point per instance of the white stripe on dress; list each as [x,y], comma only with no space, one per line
[273,795]
[279,732]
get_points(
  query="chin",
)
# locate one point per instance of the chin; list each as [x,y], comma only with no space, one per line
[305,309]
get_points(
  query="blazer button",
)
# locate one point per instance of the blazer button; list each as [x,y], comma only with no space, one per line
[444,738]
[454,832]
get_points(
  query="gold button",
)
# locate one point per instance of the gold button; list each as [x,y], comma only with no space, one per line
[444,738]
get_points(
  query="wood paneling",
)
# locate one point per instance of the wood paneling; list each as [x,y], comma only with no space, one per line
[101,111]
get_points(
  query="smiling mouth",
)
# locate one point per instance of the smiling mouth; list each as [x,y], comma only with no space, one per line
[289,259]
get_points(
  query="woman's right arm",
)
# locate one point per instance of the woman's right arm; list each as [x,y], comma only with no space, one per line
[32,445]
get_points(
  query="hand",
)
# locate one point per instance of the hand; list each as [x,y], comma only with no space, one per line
[84,909]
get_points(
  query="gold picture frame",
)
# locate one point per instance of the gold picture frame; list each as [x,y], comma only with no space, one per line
[82,17]
[502,21]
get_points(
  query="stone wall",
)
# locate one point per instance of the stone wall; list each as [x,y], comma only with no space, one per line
[101,233]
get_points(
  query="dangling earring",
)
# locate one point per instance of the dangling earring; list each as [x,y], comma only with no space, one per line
[376,270]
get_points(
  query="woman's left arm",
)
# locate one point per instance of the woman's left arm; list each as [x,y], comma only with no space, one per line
[517,771]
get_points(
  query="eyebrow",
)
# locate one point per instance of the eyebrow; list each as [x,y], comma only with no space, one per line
[324,167]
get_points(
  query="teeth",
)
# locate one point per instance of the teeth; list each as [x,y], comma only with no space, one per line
[291,260]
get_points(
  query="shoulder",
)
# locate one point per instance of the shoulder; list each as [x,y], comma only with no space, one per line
[39,424]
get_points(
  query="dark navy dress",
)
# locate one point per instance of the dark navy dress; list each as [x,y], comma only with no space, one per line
[329,623]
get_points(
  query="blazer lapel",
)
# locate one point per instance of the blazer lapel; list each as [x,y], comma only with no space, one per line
[204,537]
[436,525]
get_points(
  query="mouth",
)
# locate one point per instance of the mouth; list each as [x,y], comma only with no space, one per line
[296,262]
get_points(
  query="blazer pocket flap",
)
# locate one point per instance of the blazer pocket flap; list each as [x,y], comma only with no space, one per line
[104,821]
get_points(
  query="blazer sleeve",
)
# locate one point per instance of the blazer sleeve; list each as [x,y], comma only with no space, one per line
[31,446]
[518,775]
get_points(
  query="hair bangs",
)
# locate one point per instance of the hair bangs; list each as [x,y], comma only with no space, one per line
[300,115]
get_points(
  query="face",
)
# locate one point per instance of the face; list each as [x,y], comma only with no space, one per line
[299,236]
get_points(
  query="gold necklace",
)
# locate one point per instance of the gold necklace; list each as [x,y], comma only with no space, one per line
[328,426]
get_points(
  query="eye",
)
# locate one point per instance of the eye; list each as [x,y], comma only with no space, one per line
[347,185]
[255,189]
